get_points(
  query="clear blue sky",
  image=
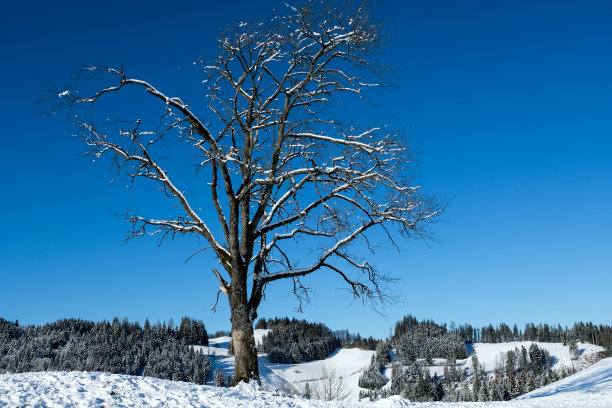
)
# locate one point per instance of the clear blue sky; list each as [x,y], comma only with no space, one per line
[510,103]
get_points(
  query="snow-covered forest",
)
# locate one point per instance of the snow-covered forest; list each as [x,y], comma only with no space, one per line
[421,361]
[156,350]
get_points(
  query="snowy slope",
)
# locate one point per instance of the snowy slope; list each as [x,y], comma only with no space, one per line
[259,333]
[591,388]
[350,363]
[218,346]
[588,388]
[346,363]
[488,353]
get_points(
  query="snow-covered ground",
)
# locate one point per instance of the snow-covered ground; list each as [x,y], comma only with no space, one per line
[258,334]
[489,353]
[588,388]
[591,388]
[350,363]
[219,345]
[345,363]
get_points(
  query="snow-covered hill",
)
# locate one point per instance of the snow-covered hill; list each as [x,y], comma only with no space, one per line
[591,388]
[588,388]
[345,363]
[489,353]
[350,363]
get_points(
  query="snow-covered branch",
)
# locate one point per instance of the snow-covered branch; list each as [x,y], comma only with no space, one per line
[288,182]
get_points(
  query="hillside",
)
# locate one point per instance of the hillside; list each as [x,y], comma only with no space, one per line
[489,353]
[591,388]
[350,363]
[400,368]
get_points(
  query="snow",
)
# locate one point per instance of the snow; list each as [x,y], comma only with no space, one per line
[212,351]
[220,341]
[350,363]
[590,388]
[347,363]
[218,346]
[489,353]
[259,333]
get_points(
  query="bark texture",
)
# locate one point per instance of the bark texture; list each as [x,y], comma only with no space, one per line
[245,353]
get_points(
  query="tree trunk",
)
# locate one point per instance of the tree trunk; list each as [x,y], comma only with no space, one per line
[246,367]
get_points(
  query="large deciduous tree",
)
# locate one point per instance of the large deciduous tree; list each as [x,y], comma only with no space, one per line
[283,171]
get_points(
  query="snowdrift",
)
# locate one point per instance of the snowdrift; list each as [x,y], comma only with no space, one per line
[591,388]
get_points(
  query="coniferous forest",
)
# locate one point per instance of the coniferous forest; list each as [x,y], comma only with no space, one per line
[165,351]
[118,347]
[519,371]
[295,341]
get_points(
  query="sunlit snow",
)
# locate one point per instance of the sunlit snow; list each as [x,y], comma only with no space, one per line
[590,388]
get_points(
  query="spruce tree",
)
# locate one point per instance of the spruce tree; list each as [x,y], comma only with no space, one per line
[573,349]
[307,391]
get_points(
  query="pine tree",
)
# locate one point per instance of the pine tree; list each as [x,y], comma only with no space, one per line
[383,352]
[495,390]
[372,378]
[428,357]
[573,349]
[307,391]
[535,356]
[483,394]
[219,378]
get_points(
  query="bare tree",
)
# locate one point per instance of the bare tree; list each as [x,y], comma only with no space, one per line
[283,171]
[331,386]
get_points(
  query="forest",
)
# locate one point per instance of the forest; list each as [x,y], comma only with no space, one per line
[295,341]
[519,371]
[119,347]
[164,351]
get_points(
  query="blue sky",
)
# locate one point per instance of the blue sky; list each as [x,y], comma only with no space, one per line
[509,103]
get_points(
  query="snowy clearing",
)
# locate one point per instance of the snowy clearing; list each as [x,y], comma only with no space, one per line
[591,388]
[347,363]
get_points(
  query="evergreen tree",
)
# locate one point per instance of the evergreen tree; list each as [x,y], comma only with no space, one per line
[307,391]
[372,378]
[573,349]
[120,347]
[483,394]
[383,352]
[219,378]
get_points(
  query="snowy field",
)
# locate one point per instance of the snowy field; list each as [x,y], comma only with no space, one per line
[350,363]
[589,388]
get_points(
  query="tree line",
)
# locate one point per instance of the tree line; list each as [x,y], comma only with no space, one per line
[118,347]
[295,341]
[426,339]
[600,335]
[518,371]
